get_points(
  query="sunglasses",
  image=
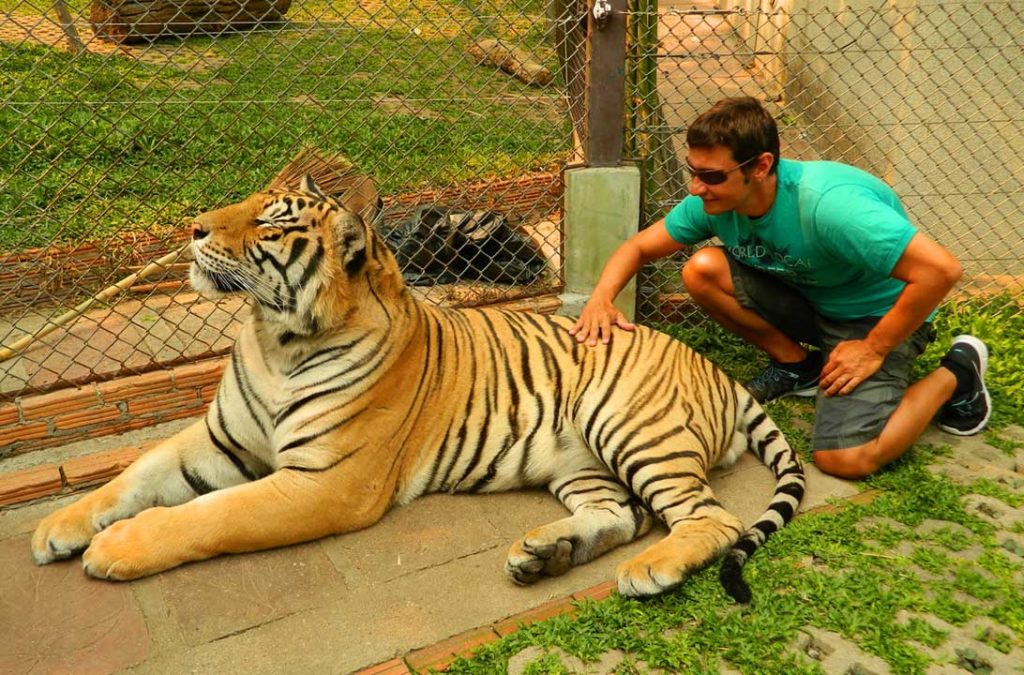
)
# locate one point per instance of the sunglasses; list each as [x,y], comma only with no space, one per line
[715,176]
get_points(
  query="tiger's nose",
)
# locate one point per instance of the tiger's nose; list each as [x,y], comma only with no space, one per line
[198,231]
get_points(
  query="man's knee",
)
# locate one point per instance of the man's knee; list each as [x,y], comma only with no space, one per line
[849,463]
[705,269]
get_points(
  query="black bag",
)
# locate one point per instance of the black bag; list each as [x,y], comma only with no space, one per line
[436,245]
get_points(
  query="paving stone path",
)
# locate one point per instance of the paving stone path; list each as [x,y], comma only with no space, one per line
[963,649]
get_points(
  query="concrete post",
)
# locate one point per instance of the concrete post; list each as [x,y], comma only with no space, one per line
[602,210]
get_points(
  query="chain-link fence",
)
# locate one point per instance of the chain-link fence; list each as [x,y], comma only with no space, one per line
[121,120]
[927,95]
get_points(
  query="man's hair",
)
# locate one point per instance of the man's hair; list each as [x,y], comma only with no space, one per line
[740,124]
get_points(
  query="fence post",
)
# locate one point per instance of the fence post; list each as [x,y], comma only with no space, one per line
[602,201]
[606,82]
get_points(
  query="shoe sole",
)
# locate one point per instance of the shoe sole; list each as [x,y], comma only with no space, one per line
[982,350]
[809,392]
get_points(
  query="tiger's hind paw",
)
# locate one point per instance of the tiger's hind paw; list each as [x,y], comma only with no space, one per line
[662,566]
[528,560]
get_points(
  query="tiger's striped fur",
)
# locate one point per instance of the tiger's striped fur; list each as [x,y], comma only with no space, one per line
[345,396]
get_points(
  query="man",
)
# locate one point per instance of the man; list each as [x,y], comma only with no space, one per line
[815,254]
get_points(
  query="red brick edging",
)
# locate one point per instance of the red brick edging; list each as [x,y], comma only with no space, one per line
[114,407]
[441,655]
[74,474]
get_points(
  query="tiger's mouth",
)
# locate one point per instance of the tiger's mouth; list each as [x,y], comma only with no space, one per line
[205,280]
[225,282]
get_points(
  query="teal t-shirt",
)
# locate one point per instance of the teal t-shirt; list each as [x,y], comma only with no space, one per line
[834,233]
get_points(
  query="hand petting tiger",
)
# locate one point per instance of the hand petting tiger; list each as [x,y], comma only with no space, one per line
[345,396]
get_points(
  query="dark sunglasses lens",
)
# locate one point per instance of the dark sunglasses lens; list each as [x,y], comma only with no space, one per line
[710,177]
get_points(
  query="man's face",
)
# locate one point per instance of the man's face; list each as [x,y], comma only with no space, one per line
[731,194]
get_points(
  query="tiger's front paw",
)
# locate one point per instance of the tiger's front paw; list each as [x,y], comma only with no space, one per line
[61,535]
[529,559]
[130,549]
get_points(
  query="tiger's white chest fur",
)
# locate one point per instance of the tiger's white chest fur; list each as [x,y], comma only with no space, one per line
[273,401]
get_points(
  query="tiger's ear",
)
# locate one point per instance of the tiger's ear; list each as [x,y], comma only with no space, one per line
[350,240]
[360,196]
[307,184]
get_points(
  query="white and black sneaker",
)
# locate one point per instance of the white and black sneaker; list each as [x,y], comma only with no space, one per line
[968,411]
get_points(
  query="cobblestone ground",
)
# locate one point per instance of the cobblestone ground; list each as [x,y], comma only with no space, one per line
[980,645]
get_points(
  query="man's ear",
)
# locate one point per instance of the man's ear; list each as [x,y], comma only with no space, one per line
[764,165]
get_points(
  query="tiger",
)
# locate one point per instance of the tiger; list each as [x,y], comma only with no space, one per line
[345,395]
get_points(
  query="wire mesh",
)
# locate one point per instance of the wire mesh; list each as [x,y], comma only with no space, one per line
[926,95]
[123,119]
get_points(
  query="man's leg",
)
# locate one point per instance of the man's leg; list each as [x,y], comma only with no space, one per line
[765,312]
[708,279]
[956,388]
[921,401]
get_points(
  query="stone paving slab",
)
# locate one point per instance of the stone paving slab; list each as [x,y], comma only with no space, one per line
[427,571]
[55,619]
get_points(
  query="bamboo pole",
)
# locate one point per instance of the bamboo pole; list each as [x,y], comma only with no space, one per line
[104,295]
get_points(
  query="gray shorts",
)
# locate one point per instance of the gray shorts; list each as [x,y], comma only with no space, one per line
[839,421]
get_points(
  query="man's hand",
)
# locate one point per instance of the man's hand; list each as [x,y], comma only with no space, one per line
[596,321]
[849,364]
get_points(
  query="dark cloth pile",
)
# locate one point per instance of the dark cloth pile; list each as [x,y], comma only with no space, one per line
[438,245]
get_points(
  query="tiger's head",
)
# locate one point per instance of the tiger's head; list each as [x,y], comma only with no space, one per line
[304,258]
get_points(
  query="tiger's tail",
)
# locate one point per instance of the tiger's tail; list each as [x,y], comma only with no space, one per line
[766,441]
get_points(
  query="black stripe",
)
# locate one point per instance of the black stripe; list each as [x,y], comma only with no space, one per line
[474,460]
[242,468]
[636,466]
[245,389]
[321,469]
[795,490]
[582,491]
[312,265]
[296,405]
[671,476]
[196,482]
[784,509]
[297,442]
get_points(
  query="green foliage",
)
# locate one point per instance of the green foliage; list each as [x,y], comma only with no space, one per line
[822,570]
[102,143]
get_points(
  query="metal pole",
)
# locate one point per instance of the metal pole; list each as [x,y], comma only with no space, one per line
[606,82]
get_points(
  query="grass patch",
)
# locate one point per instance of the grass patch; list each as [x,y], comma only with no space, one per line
[824,571]
[102,143]
[850,572]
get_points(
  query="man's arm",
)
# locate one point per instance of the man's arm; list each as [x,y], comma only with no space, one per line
[599,314]
[930,272]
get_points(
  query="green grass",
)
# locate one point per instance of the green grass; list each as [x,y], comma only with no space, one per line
[837,571]
[96,144]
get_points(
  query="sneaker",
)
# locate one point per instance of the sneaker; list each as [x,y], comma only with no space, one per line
[968,412]
[779,380]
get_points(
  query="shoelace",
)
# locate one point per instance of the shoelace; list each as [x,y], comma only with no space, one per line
[965,406]
[773,374]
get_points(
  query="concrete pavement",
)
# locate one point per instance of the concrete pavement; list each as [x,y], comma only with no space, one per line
[428,571]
